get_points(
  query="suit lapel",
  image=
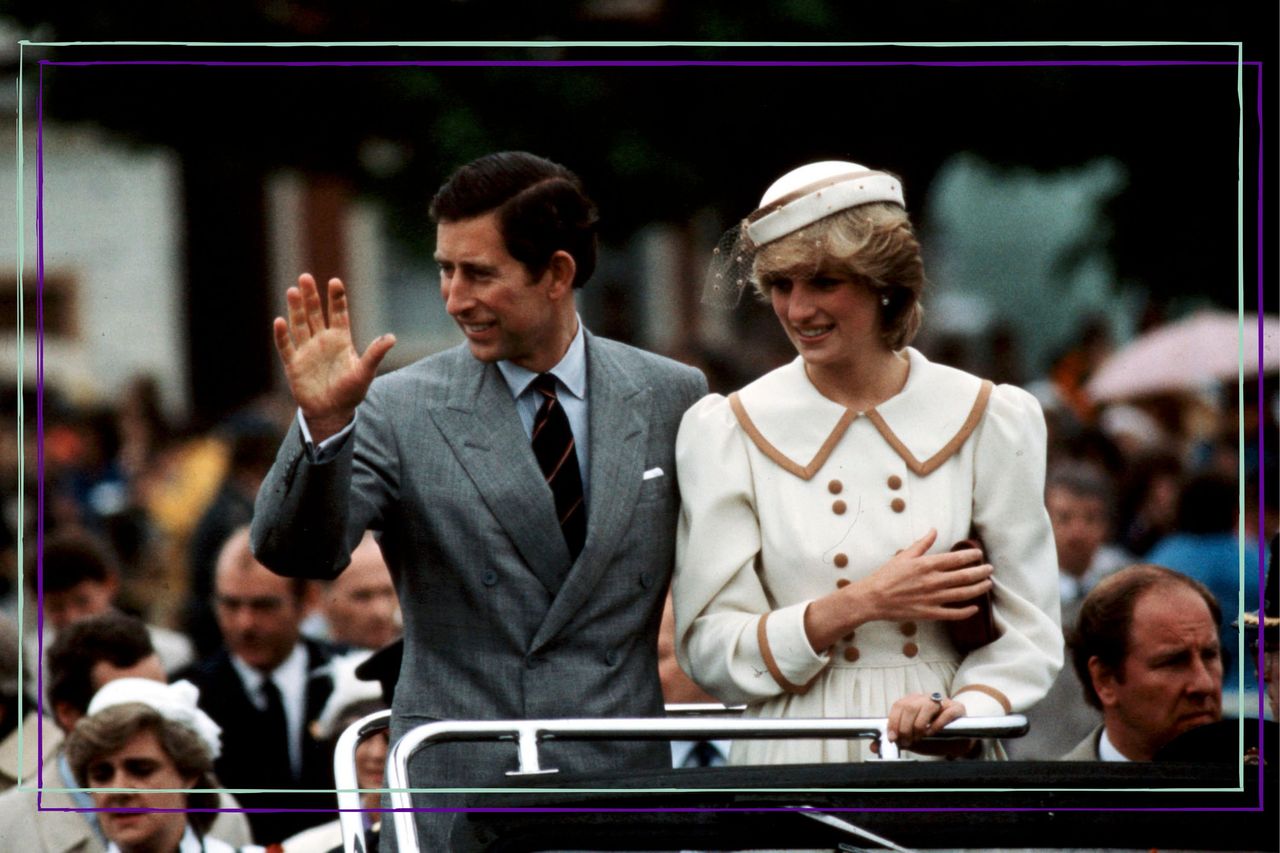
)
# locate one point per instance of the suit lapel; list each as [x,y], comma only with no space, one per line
[619,427]
[480,422]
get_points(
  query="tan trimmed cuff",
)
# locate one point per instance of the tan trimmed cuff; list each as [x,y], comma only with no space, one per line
[785,648]
[991,702]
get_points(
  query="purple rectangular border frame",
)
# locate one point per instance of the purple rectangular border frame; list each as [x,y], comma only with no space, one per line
[633,64]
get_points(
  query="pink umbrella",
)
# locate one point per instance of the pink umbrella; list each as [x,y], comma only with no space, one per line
[1187,355]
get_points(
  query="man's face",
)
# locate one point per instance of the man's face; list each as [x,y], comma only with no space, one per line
[505,313]
[1079,527]
[1172,676]
[258,613]
[143,765]
[85,599]
[67,714]
[361,604]
[148,667]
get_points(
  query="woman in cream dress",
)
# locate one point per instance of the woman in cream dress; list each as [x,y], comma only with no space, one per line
[814,576]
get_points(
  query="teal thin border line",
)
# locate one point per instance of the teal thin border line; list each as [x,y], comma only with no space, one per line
[547,44]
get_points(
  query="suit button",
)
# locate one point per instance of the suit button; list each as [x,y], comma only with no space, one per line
[910,650]
[908,629]
[612,657]
[838,507]
[851,654]
[895,482]
[841,560]
[897,504]
[842,583]
[489,578]
[835,487]
[646,580]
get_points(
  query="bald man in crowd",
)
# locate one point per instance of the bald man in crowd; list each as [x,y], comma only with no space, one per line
[359,608]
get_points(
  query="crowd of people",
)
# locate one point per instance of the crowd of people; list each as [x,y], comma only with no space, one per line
[861,532]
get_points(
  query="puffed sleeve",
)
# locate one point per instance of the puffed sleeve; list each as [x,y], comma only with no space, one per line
[729,637]
[1015,671]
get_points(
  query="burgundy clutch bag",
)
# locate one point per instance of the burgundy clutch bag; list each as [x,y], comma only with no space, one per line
[980,628]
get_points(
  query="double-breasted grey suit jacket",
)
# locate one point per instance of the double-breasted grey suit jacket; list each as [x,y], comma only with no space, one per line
[440,468]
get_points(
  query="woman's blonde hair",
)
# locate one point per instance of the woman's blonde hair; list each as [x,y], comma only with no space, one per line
[872,243]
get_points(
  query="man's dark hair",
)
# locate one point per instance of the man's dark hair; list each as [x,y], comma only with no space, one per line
[1083,480]
[1106,618]
[72,556]
[116,638]
[541,208]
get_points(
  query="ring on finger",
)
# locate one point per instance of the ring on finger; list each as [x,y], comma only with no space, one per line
[936,697]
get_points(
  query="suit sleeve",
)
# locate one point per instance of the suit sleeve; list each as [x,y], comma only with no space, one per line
[309,515]
[729,638]
[1015,671]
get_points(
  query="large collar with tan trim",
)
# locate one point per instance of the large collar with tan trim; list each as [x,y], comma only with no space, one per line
[925,423]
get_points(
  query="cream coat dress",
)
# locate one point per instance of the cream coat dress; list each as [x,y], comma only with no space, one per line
[787,495]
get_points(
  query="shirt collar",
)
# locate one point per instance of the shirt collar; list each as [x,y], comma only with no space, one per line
[1107,750]
[292,668]
[571,370]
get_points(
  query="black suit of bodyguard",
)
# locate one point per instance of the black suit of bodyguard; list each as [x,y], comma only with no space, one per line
[502,619]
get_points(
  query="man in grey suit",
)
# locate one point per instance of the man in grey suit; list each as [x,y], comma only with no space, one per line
[522,486]
[1146,650]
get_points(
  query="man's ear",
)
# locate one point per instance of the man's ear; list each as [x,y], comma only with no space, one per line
[1104,681]
[559,274]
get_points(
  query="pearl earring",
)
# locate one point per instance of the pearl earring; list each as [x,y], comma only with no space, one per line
[884,300]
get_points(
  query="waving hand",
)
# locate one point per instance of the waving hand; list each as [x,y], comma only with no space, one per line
[327,376]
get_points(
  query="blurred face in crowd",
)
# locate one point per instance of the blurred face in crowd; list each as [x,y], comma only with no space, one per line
[85,599]
[1171,679]
[258,612]
[103,671]
[142,765]
[371,762]
[1079,527]
[361,605]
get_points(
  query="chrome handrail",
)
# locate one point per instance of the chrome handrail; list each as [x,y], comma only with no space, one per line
[347,784]
[527,734]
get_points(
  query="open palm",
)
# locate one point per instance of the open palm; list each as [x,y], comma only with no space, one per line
[327,376]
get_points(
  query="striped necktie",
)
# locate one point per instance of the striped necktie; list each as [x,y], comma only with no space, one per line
[553,447]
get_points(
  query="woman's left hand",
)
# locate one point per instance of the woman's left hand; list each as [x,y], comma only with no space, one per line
[918,715]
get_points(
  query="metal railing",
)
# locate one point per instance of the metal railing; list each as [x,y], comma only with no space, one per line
[528,734]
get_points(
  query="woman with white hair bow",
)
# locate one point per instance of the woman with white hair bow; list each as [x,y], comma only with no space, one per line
[813,575]
[142,743]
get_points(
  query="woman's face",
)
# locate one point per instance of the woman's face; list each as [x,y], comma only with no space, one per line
[830,318]
[143,766]
[371,762]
